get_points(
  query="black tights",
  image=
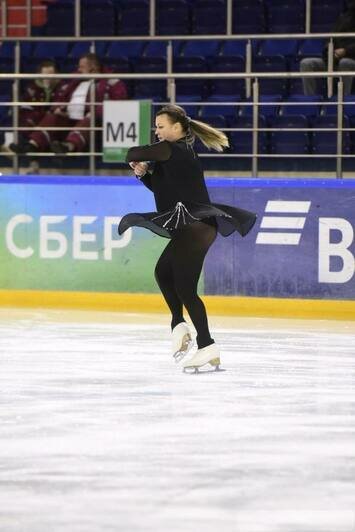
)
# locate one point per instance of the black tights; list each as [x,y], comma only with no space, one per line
[177,273]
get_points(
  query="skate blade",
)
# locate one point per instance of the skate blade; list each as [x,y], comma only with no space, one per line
[185,347]
[215,363]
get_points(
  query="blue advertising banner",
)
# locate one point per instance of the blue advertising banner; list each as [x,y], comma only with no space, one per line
[302,245]
[60,233]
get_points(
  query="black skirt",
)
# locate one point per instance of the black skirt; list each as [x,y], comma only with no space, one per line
[226,218]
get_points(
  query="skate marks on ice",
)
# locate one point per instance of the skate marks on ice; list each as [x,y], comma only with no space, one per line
[100,431]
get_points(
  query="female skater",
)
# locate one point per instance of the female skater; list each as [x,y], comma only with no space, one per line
[186,215]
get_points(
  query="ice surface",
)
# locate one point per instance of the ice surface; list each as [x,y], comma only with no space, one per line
[100,431]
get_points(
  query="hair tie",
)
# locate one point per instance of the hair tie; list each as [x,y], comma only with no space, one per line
[189,119]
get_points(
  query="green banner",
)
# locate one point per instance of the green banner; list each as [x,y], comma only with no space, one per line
[126,123]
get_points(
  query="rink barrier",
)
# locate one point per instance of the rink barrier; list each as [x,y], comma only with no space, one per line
[154,303]
[59,247]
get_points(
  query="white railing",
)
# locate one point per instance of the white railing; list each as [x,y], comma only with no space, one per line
[255,76]
[5,9]
[251,80]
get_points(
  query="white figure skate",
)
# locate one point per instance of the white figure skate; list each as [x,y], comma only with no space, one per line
[181,341]
[206,355]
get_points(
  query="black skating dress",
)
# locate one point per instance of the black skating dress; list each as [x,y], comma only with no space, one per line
[180,193]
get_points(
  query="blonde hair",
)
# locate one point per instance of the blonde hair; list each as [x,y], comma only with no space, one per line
[211,137]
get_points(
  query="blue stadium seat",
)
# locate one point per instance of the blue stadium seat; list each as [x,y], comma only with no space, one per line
[7,61]
[56,51]
[7,53]
[83,47]
[218,121]
[276,3]
[228,86]
[209,17]
[133,18]
[130,49]
[352,133]
[324,15]
[191,86]
[234,48]
[285,47]
[271,64]
[205,49]
[150,64]
[349,106]
[192,108]
[173,17]
[325,142]
[124,4]
[44,49]
[228,111]
[156,49]
[99,19]
[6,89]
[301,105]
[242,141]
[248,17]
[270,107]
[332,108]
[311,48]
[146,88]
[60,19]
[285,17]
[121,66]
[293,142]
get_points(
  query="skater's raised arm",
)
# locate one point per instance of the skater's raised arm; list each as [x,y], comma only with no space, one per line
[159,151]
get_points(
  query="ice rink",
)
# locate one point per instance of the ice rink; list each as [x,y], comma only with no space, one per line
[101,432]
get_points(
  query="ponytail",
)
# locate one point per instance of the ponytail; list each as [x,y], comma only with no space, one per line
[211,137]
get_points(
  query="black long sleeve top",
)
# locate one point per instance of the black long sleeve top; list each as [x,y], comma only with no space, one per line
[177,173]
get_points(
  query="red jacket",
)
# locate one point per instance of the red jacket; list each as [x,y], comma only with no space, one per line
[105,89]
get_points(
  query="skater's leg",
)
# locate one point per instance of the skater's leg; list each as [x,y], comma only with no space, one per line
[165,279]
[189,247]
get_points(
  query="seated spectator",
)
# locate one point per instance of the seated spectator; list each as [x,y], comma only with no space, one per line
[37,91]
[344,53]
[74,111]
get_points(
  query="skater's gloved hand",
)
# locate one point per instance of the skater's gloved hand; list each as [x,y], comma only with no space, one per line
[140,169]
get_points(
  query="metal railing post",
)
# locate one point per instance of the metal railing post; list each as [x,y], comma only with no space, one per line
[340,123]
[15,108]
[92,126]
[170,82]
[3,18]
[330,67]
[152,17]
[308,17]
[77,18]
[255,128]
[29,18]
[229,18]
[248,66]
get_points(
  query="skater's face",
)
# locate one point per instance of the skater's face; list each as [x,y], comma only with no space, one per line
[167,130]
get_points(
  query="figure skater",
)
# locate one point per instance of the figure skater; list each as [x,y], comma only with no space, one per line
[186,215]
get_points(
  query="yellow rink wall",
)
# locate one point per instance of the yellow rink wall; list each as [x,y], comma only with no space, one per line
[216,305]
